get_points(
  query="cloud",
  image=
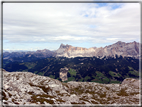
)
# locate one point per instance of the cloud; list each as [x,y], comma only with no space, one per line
[53,22]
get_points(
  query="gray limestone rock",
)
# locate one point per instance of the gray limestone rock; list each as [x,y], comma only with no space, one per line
[38,90]
[63,74]
[119,48]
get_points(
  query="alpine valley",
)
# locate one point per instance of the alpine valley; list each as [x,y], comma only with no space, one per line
[109,64]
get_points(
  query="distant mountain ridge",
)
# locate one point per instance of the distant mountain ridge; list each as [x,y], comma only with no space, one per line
[119,48]
[39,54]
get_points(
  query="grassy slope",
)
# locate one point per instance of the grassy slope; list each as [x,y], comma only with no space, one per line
[82,68]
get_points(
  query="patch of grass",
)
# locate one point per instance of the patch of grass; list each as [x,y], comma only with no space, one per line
[98,81]
[130,68]
[86,78]
[80,80]
[106,80]
[115,81]
[135,73]
[71,79]
[52,76]
[113,74]
[40,73]
[35,72]
[26,70]
[72,72]
[30,65]
[99,74]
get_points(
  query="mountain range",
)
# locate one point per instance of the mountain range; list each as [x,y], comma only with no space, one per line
[119,48]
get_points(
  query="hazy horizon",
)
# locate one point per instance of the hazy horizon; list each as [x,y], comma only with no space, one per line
[38,26]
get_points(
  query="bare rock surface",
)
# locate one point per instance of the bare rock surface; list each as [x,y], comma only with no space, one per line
[131,82]
[25,88]
[63,74]
[119,48]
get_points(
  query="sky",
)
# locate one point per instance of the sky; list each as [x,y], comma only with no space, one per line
[37,26]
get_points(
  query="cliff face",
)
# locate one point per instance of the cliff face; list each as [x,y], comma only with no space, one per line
[119,48]
[24,88]
[63,74]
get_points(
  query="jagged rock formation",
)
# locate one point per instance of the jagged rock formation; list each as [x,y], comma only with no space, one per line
[63,74]
[24,88]
[119,48]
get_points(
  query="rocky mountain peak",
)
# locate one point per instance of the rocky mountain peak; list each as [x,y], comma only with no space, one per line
[65,46]
[119,43]
[118,48]
[44,50]
[62,45]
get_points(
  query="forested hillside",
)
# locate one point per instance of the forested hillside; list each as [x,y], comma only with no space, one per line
[92,69]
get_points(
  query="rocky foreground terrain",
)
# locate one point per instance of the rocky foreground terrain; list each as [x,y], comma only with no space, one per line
[25,88]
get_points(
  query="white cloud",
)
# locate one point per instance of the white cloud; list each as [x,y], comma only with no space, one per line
[112,38]
[51,22]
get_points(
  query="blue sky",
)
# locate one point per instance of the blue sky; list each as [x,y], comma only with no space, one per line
[35,26]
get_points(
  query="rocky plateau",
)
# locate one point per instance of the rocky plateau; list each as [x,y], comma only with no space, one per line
[25,88]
